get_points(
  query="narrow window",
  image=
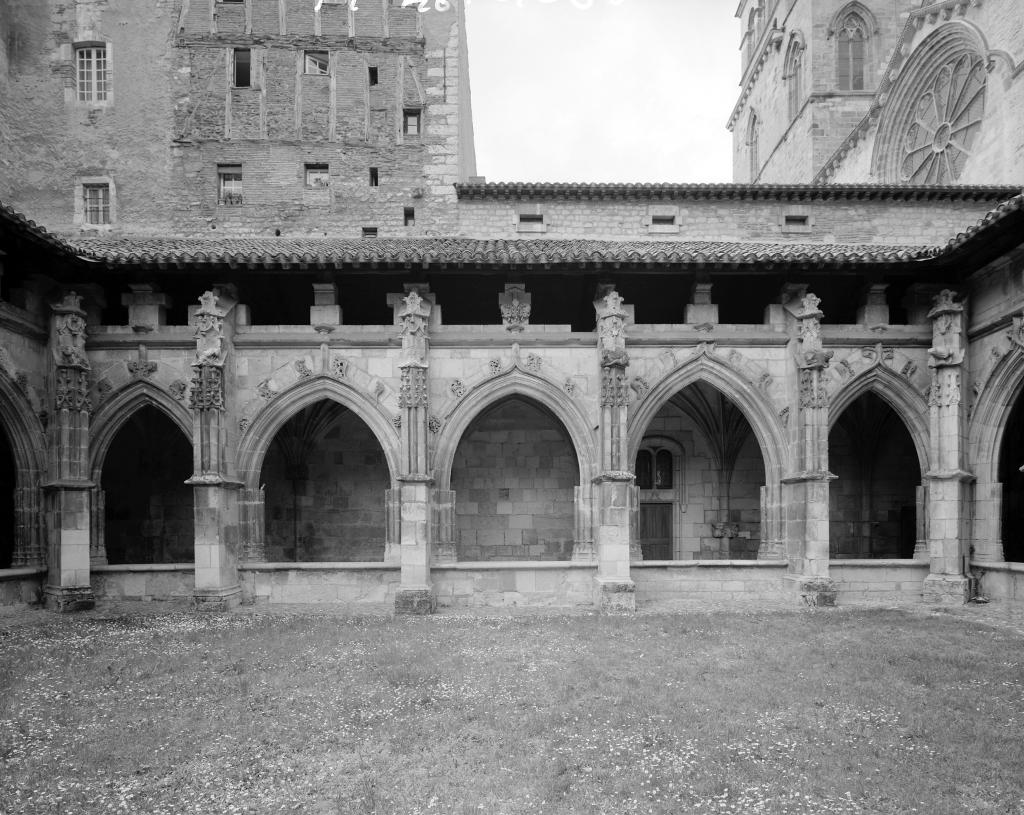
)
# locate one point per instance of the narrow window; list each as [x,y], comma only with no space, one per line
[796,221]
[374,177]
[794,76]
[752,138]
[318,63]
[663,220]
[243,68]
[369,232]
[96,198]
[229,184]
[663,470]
[852,41]
[409,215]
[411,122]
[317,177]
[530,218]
[644,470]
[92,75]
[372,75]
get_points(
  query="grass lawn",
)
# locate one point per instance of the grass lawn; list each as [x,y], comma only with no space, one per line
[839,711]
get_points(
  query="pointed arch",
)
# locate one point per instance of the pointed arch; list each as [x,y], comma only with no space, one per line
[119,407]
[793,73]
[987,427]
[757,410]
[753,140]
[256,440]
[854,28]
[516,382]
[24,433]
[909,405]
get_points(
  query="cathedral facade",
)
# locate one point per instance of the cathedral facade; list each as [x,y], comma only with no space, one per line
[265,336]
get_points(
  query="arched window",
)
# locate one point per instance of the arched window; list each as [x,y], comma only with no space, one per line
[753,20]
[851,43]
[753,125]
[663,470]
[644,470]
[794,77]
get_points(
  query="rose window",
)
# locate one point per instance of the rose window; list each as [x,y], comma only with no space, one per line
[941,134]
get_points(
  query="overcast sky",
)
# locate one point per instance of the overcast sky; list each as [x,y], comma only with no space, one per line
[603,90]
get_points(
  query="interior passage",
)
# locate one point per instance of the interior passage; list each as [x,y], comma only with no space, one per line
[7,486]
[326,477]
[699,477]
[1011,458]
[147,506]
[873,501]
[514,477]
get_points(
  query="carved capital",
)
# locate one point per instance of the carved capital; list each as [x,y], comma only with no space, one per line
[412,391]
[209,334]
[207,392]
[614,387]
[71,391]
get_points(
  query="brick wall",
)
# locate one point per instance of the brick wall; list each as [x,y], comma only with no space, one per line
[338,507]
[513,477]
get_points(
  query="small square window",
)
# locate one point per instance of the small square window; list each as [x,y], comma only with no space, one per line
[530,218]
[409,216]
[96,200]
[229,185]
[317,177]
[92,74]
[372,76]
[243,68]
[317,63]
[796,221]
[663,220]
[374,177]
[369,232]
[412,122]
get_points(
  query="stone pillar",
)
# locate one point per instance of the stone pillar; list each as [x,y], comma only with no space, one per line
[252,518]
[147,307]
[583,541]
[29,537]
[806,490]
[948,482]
[67,437]
[216,505]
[442,534]
[415,593]
[615,590]
[98,531]
[325,313]
[875,310]
[514,304]
[702,311]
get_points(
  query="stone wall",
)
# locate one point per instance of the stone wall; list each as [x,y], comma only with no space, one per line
[513,477]
[336,509]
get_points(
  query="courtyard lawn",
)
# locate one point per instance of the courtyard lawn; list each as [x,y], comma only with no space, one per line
[838,711]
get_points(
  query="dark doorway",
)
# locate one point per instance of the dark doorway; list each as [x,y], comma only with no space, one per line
[8,476]
[1011,458]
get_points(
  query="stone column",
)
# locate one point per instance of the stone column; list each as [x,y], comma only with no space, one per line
[948,482]
[615,590]
[875,310]
[216,507]
[415,593]
[806,490]
[702,311]
[147,307]
[251,512]
[67,438]
[29,532]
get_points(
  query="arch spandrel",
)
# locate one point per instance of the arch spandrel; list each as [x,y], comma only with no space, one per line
[119,406]
[258,436]
[516,383]
[755,407]
[909,405]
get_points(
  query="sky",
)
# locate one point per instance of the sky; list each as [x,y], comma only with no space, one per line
[603,90]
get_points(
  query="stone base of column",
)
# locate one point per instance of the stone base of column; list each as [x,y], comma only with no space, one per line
[63,599]
[813,592]
[417,602]
[946,589]
[615,596]
[216,599]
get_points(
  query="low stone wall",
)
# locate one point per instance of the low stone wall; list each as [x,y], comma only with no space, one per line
[878,580]
[319,582]
[1000,581]
[144,581]
[661,580]
[21,587]
[515,583]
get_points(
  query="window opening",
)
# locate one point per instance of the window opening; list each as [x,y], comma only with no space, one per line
[243,68]
[369,232]
[372,76]
[317,177]
[97,203]
[409,215]
[796,220]
[411,122]
[852,41]
[663,220]
[644,470]
[92,73]
[530,218]
[374,177]
[317,63]
[229,184]
[663,470]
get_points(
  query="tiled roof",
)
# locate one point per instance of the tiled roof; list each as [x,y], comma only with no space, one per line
[370,252]
[994,217]
[739,192]
[18,223]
